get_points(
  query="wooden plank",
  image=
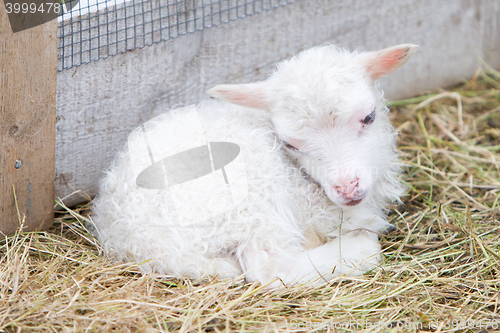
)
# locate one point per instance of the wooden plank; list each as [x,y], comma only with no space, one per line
[100,103]
[28,72]
[491,38]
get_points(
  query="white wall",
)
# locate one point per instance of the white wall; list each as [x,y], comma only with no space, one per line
[98,104]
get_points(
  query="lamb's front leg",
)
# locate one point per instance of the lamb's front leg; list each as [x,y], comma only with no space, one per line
[350,254]
[363,217]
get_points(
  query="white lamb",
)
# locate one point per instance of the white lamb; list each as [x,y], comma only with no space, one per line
[321,166]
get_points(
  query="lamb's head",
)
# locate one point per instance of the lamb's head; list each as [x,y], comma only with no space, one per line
[327,110]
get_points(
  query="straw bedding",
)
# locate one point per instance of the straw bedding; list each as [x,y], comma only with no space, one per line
[440,272]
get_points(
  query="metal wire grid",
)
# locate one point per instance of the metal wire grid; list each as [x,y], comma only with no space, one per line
[107,28]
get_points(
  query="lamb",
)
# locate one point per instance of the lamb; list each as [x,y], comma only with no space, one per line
[320,163]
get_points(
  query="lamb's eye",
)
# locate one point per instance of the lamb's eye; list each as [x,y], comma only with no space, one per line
[369,118]
[289,146]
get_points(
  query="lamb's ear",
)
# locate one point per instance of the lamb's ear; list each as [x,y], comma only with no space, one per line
[251,95]
[385,61]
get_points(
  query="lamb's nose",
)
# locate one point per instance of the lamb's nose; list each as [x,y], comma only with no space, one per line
[347,189]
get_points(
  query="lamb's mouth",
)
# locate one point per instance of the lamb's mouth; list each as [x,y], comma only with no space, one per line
[347,201]
[353,202]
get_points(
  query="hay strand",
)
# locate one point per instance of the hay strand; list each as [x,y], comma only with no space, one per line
[440,269]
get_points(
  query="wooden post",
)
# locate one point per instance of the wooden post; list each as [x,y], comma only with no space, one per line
[28,69]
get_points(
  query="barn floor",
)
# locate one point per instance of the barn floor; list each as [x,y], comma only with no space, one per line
[441,268]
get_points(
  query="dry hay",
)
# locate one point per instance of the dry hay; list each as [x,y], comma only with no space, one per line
[440,271]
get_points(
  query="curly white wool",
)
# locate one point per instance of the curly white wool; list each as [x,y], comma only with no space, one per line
[311,214]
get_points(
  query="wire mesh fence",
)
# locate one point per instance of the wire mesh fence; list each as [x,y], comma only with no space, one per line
[96,30]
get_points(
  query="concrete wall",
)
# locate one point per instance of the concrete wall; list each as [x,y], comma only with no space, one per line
[98,104]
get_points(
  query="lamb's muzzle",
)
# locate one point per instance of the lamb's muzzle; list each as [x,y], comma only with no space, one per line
[317,153]
[349,192]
